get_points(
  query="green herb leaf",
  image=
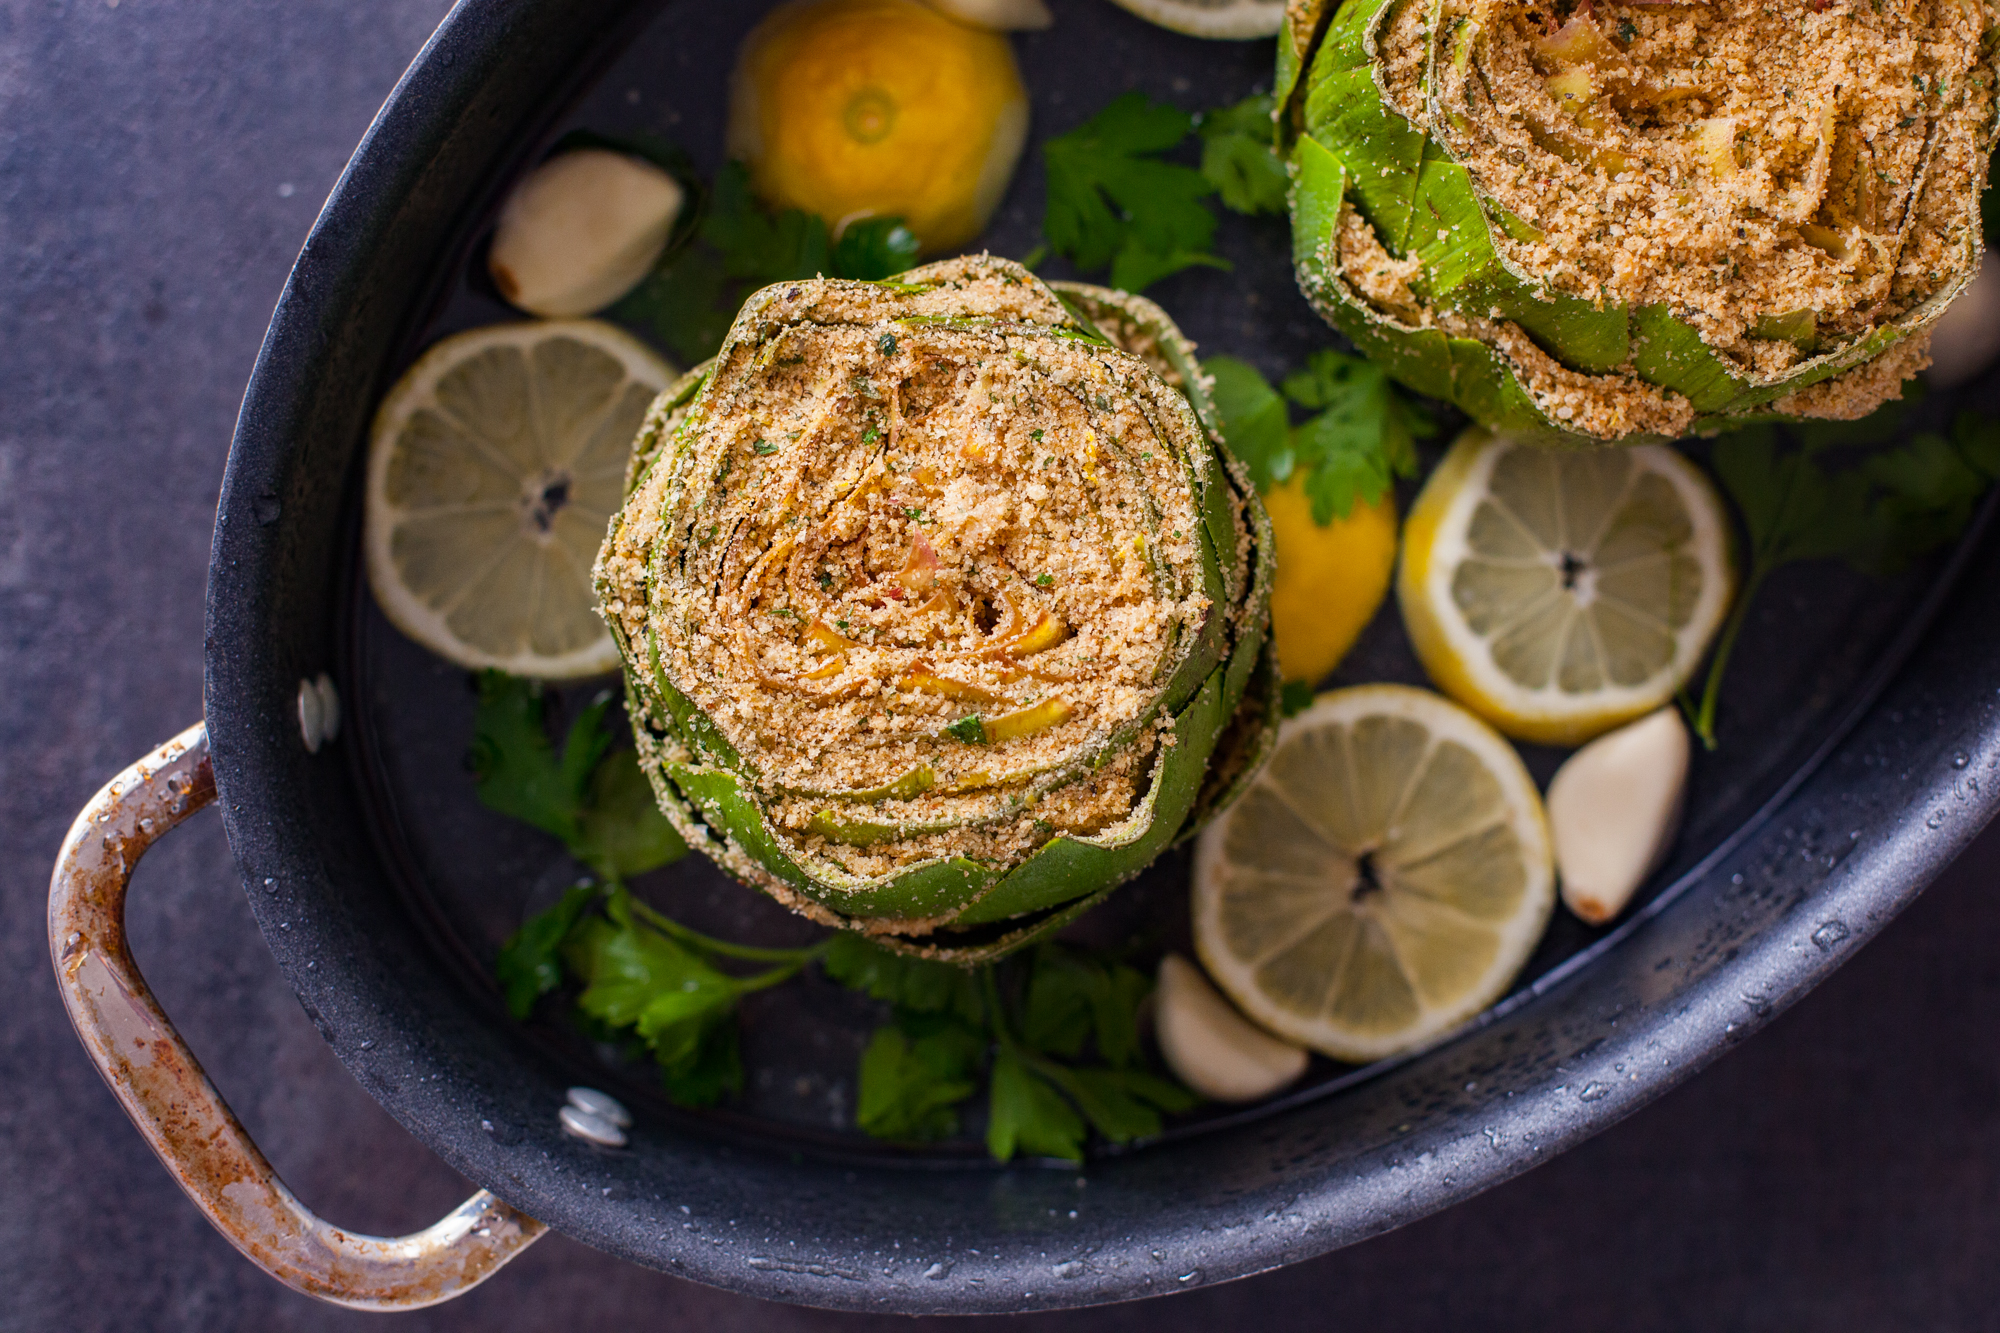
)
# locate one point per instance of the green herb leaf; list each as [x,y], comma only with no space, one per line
[1122,1104]
[687,304]
[1294,697]
[635,977]
[915,984]
[600,806]
[690,300]
[518,770]
[1138,266]
[760,247]
[1071,999]
[875,248]
[1239,156]
[1025,1114]
[681,1007]
[1113,202]
[704,1062]
[530,962]
[1362,437]
[1889,508]
[971,730]
[1255,423]
[914,1075]
[621,831]
[1930,489]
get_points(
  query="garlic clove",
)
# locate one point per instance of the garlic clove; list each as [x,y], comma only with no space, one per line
[581,230]
[1212,1048]
[1966,337]
[1614,808]
[998,15]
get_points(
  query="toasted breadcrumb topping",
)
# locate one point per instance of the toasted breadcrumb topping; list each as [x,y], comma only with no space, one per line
[930,576]
[1786,178]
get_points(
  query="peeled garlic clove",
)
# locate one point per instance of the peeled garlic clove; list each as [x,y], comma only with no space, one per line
[1212,1048]
[1966,337]
[1614,807]
[998,15]
[581,230]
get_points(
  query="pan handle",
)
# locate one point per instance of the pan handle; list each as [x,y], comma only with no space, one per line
[179,1112]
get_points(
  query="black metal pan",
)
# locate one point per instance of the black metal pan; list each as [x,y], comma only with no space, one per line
[1862,755]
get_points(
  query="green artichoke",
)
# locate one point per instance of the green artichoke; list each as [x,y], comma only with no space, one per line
[942,609]
[1628,222]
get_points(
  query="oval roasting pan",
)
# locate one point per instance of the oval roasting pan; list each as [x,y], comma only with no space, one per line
[1904,773]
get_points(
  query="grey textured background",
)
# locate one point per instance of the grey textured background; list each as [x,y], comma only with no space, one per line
[160,163]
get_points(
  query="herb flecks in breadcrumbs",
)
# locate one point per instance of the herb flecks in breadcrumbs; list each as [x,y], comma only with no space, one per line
[1588,222]
[925,583]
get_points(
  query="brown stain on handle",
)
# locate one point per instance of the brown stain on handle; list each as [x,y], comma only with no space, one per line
[158,1081]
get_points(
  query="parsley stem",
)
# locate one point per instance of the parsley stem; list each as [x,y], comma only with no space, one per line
[1704,720]
[750,953]
[777,976]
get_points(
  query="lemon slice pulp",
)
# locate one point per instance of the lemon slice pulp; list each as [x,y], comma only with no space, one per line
[1383,879]
[494,466]
[1226,20]
[1557,594]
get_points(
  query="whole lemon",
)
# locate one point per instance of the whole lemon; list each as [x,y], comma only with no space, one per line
[1330,580]
[879,108]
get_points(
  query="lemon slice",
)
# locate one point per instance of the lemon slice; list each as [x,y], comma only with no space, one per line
[1383,879]
[1227,20]
[1559,595]
[494,467]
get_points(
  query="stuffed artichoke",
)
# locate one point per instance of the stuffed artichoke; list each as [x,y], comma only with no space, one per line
[941,608]
[1618,222]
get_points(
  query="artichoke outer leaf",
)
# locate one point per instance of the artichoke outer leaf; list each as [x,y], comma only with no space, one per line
[1305,20]
[1419,358]
[1666,350]
[933,889]
[700,732]
[1069,866]
[1401,181]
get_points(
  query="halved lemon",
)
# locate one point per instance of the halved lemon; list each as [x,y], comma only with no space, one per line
[1559,595]
[1383,879]
[494,467]
[1227,20]
[854,109]
[1330,580]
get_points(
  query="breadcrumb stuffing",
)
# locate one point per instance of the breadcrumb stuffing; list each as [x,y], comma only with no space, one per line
[1786,178]
[930,575]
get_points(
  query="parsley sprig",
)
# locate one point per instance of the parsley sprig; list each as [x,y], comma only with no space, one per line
[1113,200]
[595,799]
[1880,511]
[643,976]
[738,247]
[1239,156]
[1360,437]
[1055,1034]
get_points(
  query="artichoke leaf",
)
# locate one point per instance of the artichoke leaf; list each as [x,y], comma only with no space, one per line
[934,888]
[1070,865]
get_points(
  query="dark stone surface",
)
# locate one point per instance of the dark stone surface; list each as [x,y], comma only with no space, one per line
[159,165]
